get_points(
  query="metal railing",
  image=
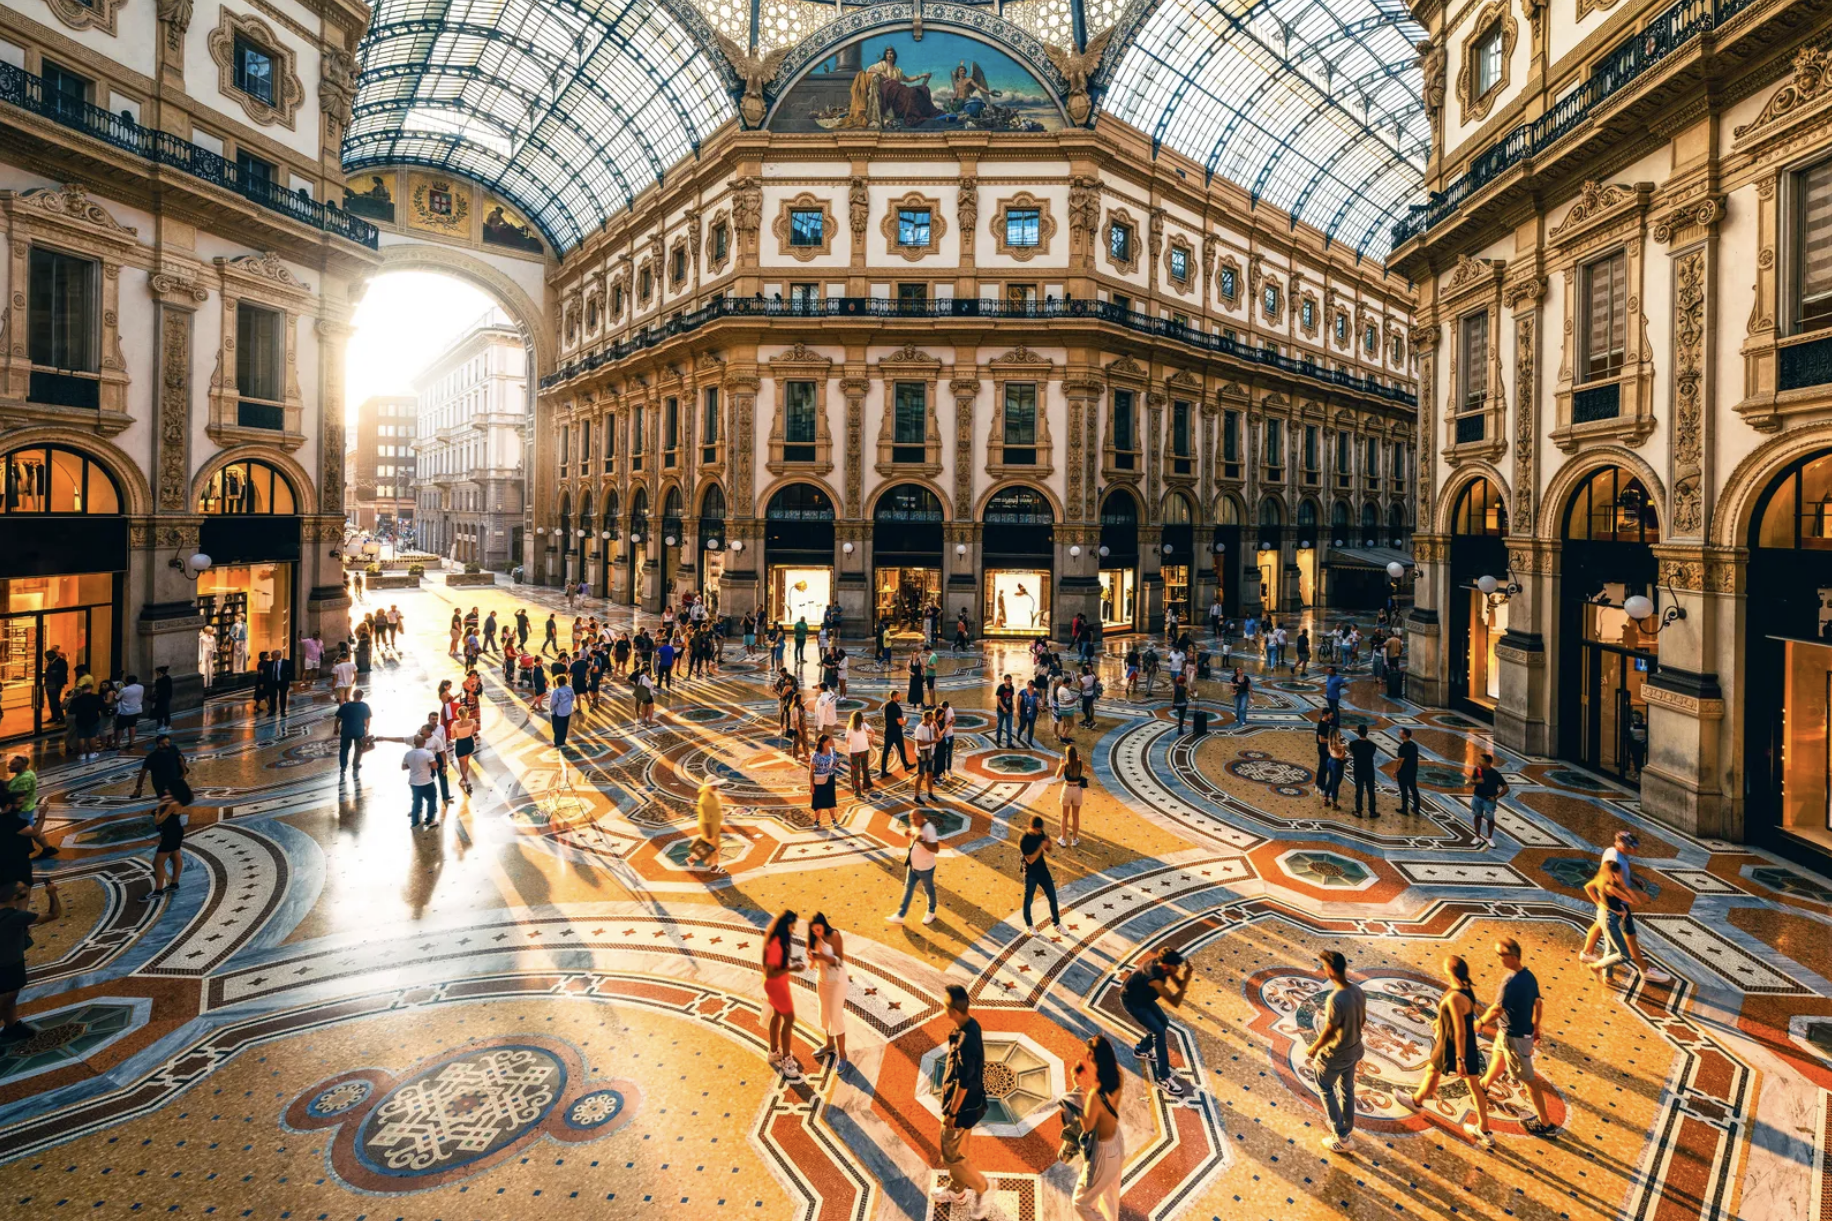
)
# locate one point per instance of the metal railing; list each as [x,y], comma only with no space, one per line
[1805,364]
[26,91]
[1592,403]
[1616,72]
[972,307]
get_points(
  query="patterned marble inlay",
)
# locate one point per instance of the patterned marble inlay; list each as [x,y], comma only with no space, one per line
[1330,870]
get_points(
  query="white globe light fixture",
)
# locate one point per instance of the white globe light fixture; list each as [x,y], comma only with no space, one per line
[636,538]
[1638,607]
[668,539]
[712,544]
[581,533]
[1396,570]
[1338,542]
[960,549]
[195,567]
[605,535]
[1220,547]
[1103,551]
[846,547]
[737,544]
[540,529]
[1168,548]
[1074,550]
[1487,584]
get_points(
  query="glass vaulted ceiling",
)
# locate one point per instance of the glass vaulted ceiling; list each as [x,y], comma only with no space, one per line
[1312,105]
[569,108]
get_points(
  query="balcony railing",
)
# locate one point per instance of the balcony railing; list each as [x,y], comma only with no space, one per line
[20,88]
[971,307]
[1617,71]
[1805,364]
[1592,403]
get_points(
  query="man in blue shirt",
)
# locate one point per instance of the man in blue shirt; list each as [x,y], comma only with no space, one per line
[352,728]
[561,706]
[664,664]
[1028,702]
[1332,692]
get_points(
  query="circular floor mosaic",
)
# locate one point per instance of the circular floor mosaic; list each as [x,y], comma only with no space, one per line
[1283,777]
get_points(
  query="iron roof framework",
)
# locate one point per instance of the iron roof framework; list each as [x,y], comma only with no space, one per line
[1313,106]
[566,108]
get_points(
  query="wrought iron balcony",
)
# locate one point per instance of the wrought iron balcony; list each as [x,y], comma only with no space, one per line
[1472,427]
[26,91]
[1592,403]
[972,307]
[1805,364]
[1617,72]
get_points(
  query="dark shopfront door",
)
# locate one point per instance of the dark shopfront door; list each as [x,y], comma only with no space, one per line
[42,605]
[1469,622]
[1605,658]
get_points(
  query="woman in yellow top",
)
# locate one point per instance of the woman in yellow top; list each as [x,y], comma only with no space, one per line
[705,847]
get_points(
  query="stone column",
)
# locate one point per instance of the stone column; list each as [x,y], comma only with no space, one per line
[741,585]
[327,606]
[1690,748]
[960,575]
[1151,578]
[1523,716]
[160,601]
[852,564]
[1426,679]
[1077,578]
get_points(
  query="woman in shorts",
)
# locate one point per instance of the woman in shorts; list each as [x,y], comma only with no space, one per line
[464,744]
[1074,776]
[168,856]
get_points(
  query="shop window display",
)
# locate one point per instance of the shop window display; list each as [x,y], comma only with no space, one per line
[799,593]
[1118,589]
[903,594]
[1017,602]
[73,614]
[249,608]
[1487,625]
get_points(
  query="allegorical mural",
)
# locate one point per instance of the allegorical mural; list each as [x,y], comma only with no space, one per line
[503,227]
[892,82]
[371,195]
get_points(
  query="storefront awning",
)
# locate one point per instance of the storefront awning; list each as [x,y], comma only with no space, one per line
[1366,557]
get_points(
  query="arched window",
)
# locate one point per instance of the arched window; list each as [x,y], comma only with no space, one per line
[712,505]
[909,502]
[1612,506]
[639,515]
[52,479]
[1272,514]
[1339,518]
[1307,514]
[1396,525]
[248,487]
[800,502]
[586,517]
[1370,523]
[1176,510]
[1119,509]
[1480,510]
[1019,507]
[1227,512]
[610,513]
[1799,508]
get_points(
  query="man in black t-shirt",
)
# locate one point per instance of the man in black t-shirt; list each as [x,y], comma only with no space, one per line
[1160,975]
[963,1104]
[1034,848]
[893,738]
[352,728]
[165,766]
[1490,789]
[1408,772]
[16,921]
[1004,698]
[1361,756]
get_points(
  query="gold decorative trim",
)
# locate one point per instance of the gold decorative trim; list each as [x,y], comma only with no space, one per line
[715,262]
[1806,93]
[915,201]
[1046,227]
[289,90]
[1476,107]
[807,201]
[1596,202]
[100,15]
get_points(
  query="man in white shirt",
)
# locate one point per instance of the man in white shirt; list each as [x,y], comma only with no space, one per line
[311,652]
[827,710]
[129,702]
[921,869]
[419,763]
[343,678]
[441,749]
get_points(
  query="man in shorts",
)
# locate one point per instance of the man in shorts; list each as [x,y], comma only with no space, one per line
[1337,1050]
[1516,1015]
[16,921]
[963,1104]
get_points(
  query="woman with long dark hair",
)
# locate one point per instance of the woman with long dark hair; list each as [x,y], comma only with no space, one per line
[1456,1051]
[778,961]
[1097,1191]
[828,951]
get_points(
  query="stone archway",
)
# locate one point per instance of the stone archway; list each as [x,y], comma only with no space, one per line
[515,301]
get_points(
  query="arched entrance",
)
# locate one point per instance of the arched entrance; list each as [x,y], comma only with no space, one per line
[1119,562]
[798,554]
[1177,540]
[1228,553]
[1787,696]
[674,533]
[1610,525]
[1017,563]
[1308,526]
[608,535]
[1271,552]
[639,544]
[906,556]
[61,512]
[712,546]
[1477,621]
[251,532]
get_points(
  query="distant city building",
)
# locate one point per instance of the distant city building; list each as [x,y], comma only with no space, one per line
[379,465]
[473,406]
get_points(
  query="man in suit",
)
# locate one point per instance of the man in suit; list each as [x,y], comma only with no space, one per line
[279,681]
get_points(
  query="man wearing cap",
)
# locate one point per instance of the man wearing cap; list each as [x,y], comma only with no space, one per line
[1337,1051]
[1626,844]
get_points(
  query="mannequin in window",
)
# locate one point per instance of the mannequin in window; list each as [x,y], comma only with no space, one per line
[206,654]
[238,635]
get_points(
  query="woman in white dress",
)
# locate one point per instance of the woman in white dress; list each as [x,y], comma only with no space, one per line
[828,951]
[1097,1190]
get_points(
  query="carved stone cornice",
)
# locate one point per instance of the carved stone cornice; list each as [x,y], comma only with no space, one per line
[1598,202]
[1690,219]
[1806,94]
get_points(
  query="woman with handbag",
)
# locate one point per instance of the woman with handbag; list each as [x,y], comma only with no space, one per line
[1103,1146]
[1074,776]
[828,950]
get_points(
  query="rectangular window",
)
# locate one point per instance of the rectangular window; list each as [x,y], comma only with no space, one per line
[260,351]
[671,424]
[1119,242]
[1397,469]
[798,425]
[805,227]
[1020,416]
[1308,314]
[913,227]
[803,296]
[585,444]
[638,429]
[1474,361]
[1310,447]
[909,422]
[1124,440]
[1023,227]
[1488,59]
[1021,297]
[1180,429]
[254,70]
[680,264]
[1275,444]
[1813,247]
[1230,443]
[721,242]
[912,294]
[709,418]
[62,311]
[1373,459]
[1605,315]
[66,93]
[253,173]
[565,445]
[1230,283]
[1122,302]
[1179,263]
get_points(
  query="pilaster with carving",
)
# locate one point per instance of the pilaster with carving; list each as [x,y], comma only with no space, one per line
[966,391]
[1523,297]
[1083,393]
[1691,391]
[332,336]
[743,386]
[854,385]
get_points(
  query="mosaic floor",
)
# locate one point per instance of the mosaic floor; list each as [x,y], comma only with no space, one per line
[538,1006]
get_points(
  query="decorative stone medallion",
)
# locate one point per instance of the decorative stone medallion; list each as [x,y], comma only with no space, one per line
[1022,1083]
[1282,777]
[69,1036]
[1402,1008]
[456,1116]
[1328,870]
